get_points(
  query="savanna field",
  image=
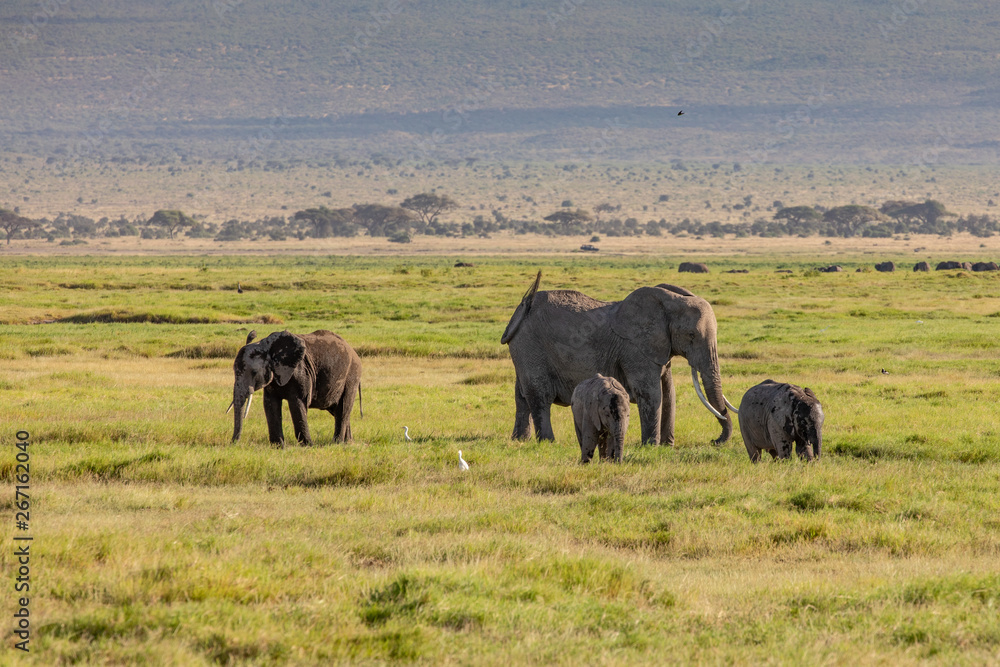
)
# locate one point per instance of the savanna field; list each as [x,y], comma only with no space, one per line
[158,541]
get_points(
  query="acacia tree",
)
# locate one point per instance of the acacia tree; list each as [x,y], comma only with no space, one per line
[171,220]
[329,222]
[851,220]
[925,215]
[428,206]
[12,223]
[383,220]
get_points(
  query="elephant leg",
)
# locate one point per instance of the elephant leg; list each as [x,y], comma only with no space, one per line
[780,441]
[272,412]
[342,415]
[588,443]
[539,405]
[668,399]
[804,449]
[649,413]
[752,450]
[540,414]
[522,415]
[298,408]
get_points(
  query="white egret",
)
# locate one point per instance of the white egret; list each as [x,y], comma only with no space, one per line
[406,434]
[462,464]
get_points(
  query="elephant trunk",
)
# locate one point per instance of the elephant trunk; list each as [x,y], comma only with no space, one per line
[616,432]
[239,414]
[715,401]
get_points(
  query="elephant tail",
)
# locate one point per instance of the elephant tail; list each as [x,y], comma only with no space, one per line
[521,312]
[361,403]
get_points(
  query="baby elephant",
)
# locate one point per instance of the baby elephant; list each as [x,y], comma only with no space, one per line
[773,415]
[600,413]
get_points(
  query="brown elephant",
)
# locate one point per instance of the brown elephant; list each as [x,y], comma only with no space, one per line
[985,266]
[776,415]
[317,370]
[559,338]
[692,267]
[600,415]
[921,266]
[885,267]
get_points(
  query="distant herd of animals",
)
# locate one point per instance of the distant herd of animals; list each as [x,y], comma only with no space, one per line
[568,349]
[885,267]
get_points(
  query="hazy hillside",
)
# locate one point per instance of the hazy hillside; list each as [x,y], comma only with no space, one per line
[788,80]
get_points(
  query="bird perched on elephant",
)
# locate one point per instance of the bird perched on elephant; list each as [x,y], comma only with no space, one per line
[559,338]
[317,370]
[776,415]
[600,415]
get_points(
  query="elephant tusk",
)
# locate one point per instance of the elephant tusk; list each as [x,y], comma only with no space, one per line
[730,405]
[249,401]
[231,403]
[701,395]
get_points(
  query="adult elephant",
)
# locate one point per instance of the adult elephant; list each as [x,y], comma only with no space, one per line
[318,370]
[559,338]
[692,267]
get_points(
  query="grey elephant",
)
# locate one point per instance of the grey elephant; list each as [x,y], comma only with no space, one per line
[317,370]
[776,415]
[692,267]
[600,415]
[559,338]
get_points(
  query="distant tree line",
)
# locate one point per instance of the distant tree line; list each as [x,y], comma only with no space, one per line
[420,214]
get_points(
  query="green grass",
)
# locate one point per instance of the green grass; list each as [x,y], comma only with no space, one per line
[156,540]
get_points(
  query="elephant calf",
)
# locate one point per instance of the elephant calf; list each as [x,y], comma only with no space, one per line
[774,415]
[317,370]
[600,414]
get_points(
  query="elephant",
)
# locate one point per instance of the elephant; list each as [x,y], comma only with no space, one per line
[985,266]
[692,267]
[317,370]
[834,268]
[600,415]
[947,266]
[885,267]
[921,266]
[559,338]
[774,415]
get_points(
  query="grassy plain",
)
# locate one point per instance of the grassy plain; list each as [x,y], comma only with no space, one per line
[157,540]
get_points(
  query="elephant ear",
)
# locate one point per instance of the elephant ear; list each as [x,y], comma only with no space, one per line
[675,289]
[642,319]
[285,353]
[521,312]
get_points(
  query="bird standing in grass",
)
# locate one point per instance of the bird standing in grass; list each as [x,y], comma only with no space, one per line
[462,465]
[239,288]
[885,372]
[406,434]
